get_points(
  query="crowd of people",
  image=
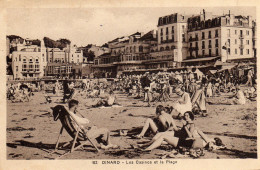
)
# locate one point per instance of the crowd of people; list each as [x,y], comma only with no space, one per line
[188,94]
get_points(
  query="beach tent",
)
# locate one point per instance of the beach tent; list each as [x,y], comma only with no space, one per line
[226,67]
[199,73]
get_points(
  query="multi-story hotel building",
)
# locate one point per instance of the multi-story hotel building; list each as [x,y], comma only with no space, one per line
[226,37]
[64,62]
[128,53]
[172,40]
[29,61]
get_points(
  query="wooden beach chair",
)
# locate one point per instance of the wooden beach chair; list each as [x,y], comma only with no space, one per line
[73,128]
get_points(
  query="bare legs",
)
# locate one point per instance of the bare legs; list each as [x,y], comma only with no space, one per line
[168,137]
[149,123]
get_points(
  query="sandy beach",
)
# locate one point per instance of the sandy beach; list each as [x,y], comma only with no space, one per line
[31,130]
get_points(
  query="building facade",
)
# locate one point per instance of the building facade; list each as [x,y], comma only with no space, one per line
[29,62]
[65,62]
[226,37]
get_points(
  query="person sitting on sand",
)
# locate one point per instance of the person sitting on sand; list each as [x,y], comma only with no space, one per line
[184,103]
[106,100]
[240,98]
[92,132]
[161,123]
[189,136]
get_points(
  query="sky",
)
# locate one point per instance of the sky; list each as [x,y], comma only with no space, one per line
[85,26]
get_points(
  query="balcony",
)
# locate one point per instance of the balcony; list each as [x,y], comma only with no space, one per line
[193,39]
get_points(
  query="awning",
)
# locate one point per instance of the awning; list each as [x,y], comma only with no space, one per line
[228,67]
[200,59]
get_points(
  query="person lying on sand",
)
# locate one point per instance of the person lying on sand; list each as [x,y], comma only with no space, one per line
[161,123]
[93,132]
[189,136]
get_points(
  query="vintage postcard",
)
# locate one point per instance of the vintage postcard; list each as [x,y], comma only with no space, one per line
[129,85]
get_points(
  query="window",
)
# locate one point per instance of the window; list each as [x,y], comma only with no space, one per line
[37,60]
[241,33]
[247,42]
[196,37]
[235,41]
[228,42]
[161,41]
[183,38]
[209,43]
[30,61]
[167,31]
[197,44]
[209,52]
[24,60]
[209,34]
[203,35]
[241,51]
[216,43]
[141,49]
[247,32]
[203,52]
[228,32]
[183,29]
[236,32]
[172,29]
[235,51]
[217,52]
[216,33]
[19,57]
[247,51]
[16,68]
[161,31]
[167,37]
[43,55]
[203,44]
[172,37]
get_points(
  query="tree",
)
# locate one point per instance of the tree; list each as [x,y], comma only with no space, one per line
[89,54]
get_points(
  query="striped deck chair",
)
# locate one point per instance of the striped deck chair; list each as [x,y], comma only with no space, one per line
[73,128]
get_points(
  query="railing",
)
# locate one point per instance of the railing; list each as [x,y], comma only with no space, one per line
[193,39]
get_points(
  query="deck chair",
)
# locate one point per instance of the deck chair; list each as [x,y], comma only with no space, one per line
[73,128]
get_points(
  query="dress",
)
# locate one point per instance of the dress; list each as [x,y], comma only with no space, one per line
[182,108]
[209,90]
